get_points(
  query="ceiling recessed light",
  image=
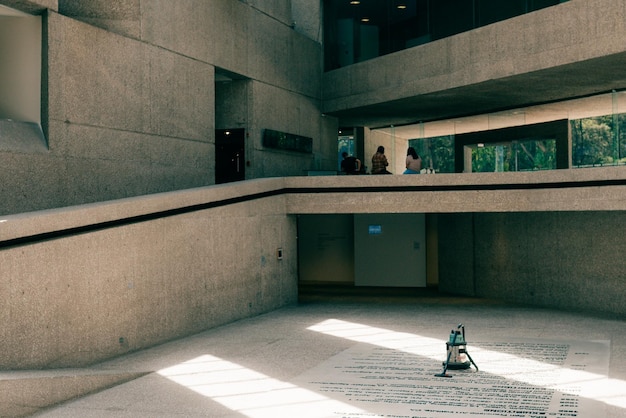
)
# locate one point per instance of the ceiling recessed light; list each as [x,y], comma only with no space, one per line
[365,19]
[355,2]
[401,6]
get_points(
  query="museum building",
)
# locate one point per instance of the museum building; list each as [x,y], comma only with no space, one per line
[168,167]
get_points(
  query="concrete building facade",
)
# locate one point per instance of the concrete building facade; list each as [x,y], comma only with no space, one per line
[131,98]
[133,93]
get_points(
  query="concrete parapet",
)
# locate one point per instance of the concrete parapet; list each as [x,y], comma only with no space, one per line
[88,283]
[555,190]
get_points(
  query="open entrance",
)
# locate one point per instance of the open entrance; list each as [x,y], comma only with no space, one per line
[367,256]
[229,155]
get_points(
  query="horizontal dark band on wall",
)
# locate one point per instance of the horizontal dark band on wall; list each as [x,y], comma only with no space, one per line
[458,187]
[45,236]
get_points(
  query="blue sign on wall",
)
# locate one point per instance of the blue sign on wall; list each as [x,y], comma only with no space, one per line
[375,229]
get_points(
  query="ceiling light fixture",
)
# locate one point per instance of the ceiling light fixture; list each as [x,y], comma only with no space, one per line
[354,2]
[365,19]
[402,6]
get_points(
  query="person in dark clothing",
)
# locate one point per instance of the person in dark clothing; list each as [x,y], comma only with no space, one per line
[350,164]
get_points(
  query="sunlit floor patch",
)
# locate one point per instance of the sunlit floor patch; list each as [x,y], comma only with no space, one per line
[251,393]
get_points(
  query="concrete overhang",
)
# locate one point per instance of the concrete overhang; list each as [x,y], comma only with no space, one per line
[574,80]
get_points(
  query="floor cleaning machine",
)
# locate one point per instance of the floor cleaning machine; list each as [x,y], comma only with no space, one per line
[457,356]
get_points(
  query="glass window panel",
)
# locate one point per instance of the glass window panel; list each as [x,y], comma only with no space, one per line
[599,141]
[437,153]
[526,155]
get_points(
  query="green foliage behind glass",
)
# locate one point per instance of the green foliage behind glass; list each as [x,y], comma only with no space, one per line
[596,141]
[527,155]
[436,153]
[599,140]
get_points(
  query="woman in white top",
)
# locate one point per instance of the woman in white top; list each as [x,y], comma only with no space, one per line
[413,162]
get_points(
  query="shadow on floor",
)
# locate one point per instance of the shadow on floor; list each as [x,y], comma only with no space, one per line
[348,292]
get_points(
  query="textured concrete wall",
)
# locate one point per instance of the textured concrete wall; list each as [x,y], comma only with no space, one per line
[79,299]
[31,6]
[285,96]
[120,16]
[130,103]
[254,39]
[125,118]
[284,111]
[307,18]
[571,260]
[278,9]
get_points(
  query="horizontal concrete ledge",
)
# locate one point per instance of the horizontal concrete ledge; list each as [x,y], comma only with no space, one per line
[48,224]
[593,189]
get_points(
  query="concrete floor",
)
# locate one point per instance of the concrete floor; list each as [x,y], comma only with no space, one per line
[280,346]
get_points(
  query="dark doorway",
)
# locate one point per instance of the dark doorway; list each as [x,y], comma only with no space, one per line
[229,155]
